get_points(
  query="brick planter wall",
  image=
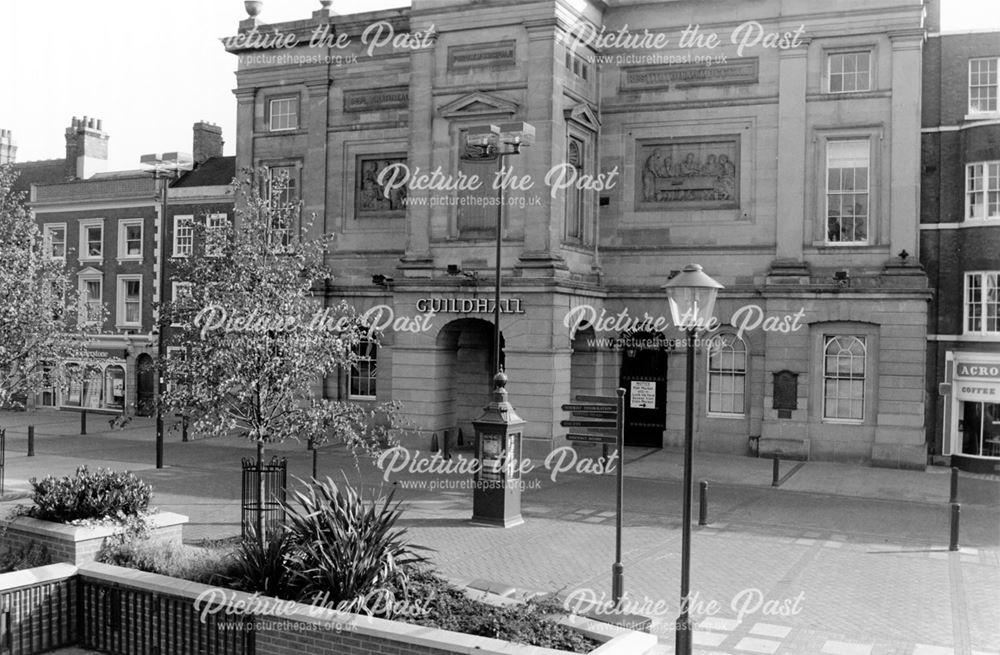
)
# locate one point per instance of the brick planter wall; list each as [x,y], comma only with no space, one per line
[76,544]
[38,609]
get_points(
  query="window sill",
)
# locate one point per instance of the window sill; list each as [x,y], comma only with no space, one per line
[726,416]
[128,326]
[125,260]
[370,398]
[843,421]
[91,259]
[982,116]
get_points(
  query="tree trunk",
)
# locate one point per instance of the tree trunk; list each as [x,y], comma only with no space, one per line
[260,491]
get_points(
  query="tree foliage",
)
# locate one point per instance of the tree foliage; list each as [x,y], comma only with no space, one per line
[248,351]
[38,302]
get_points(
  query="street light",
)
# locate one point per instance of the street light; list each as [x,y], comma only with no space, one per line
[172,162]
[691,296]
[482,143]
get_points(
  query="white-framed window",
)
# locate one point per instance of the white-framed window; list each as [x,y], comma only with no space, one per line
[727,376]
[844,362]
[183,235]
[179,291]
[982,190]
[361,377]
[91,299]
[215,233]
[983,85]
[54,238]
[92,239]
[849,72]
[847,191]
[982,303]
[129,301]
[283,194]
[283,113]
[130,238]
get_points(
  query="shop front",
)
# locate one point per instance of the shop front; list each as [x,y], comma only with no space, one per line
[98,384]
[972,417]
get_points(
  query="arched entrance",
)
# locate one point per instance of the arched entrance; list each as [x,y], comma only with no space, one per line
[466,374]
[643,374]
[144,383]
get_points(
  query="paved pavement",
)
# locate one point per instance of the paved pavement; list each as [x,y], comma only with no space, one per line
[839,560]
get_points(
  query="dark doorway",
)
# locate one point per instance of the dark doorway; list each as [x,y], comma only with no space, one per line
[144,383]
[644,378]
[465,362]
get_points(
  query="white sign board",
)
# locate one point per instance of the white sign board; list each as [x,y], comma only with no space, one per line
[642,395]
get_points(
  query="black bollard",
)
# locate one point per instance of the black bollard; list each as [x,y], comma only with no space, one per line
[775,472]
[83,421]
[703,503]
[434,442]
[956,511]
[953,498]
[31,441]
[184,428]
[447,446]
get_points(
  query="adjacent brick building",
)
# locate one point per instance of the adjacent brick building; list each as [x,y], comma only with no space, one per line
[960,246]
[784,159]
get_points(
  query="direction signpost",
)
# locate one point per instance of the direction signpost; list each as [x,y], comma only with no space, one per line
[607,426]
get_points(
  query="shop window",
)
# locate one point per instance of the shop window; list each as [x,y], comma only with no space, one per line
[283,114]
[727,373]
[849,71]
[45,396]
[54,237]
[844,360]
[979,425]
[847,198]
[982,303]
[983,85]
[362,374]
[114,387]
[982,190]
[183,235]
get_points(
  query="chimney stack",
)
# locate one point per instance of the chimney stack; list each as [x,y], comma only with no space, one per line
[207,142]
[86,148]
[8,151]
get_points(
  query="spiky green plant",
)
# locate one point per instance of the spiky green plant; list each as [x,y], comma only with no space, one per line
[263,565]
[348,551]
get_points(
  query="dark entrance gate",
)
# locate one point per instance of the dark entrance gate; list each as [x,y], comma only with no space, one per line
[145,378]
[644,378]
[275,475]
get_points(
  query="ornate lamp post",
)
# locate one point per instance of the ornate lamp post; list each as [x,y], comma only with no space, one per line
[165,167]
[691,296]
[482,143]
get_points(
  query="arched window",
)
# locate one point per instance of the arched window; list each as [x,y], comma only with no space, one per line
[361,376]
[575,196]
[844,377]
[727,375]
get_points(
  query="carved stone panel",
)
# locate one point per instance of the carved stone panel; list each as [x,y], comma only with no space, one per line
[786,391]
[698,173]
[371,198]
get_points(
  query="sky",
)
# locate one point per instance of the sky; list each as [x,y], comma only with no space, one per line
[149,70]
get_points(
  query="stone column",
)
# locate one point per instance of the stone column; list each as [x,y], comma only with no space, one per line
[417,262]
[904,142]
[245,126]
[790,211]
[314,174]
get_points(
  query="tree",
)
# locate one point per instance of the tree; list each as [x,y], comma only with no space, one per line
[252,351]
[37,303]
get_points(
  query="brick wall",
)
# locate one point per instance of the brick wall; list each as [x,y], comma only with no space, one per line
[39,609]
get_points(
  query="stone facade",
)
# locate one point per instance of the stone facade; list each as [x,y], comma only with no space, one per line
[684,151]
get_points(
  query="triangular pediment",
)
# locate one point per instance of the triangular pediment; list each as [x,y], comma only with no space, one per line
[87,271]
[583,115]
[479,103]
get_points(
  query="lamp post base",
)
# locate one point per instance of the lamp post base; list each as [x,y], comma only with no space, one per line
[682,642]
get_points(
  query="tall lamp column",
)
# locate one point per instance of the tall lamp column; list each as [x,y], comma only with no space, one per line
[691,296]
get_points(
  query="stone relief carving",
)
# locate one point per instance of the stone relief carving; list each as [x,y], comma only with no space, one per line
[693,172]
[371,196]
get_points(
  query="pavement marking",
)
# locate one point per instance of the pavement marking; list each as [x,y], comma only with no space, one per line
[754,645]
[607,514]
[805,542]
[924,649]
[593,519]
[846,648]
[833,544]
[708,638]
[770,630]
[716,623]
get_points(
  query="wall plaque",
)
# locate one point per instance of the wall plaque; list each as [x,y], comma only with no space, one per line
[683,76]
[371,198]
[373,99]
[499,54]
[687,174]
[786,393]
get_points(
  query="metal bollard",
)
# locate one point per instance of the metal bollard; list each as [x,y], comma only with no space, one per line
[775,472]
[434,442]
[956,512]
[83,421]
[31,441]
[184,428]
[953,496]
[447,445]
[703,503]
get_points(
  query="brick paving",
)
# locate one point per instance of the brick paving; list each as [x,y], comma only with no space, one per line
[865,548]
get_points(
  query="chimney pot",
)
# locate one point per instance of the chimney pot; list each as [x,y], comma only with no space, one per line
[99,121]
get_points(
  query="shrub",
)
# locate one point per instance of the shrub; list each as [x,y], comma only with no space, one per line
[346,548]
[97,495]
[204,565]
[263,567]
[24,556]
